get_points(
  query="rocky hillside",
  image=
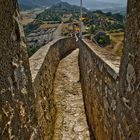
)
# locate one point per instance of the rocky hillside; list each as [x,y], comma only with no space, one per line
[30,4]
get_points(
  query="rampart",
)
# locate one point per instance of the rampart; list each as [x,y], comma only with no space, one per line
[43,66]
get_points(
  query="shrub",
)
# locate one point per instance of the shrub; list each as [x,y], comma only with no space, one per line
[101,40]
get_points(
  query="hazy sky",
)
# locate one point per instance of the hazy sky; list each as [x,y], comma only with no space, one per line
[91,3]
[87,1]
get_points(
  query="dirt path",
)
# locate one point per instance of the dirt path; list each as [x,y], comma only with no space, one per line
[70,117]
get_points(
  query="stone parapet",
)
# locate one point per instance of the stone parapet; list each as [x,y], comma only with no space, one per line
[43,66]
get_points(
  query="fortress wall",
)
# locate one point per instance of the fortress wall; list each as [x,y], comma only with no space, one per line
[112,95]
[43,66]
[100,86]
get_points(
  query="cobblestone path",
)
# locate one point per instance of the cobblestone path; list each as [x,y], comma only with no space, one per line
[71,121]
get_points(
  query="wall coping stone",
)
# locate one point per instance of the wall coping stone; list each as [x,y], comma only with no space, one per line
[111,66]
[36,61]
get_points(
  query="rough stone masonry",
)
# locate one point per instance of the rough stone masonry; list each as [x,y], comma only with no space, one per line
[112,98]
[17,113]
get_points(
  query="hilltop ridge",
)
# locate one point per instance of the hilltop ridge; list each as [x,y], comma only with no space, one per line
[56,12]
[30,4]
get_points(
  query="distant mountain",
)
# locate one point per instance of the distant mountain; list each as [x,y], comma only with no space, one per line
[102,5]
[30,4]
[121,10]
[108,6]
[56,12]
[65,6]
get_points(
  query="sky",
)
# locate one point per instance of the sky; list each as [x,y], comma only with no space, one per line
[92,3]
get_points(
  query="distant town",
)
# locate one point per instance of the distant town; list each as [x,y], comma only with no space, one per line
[105,29]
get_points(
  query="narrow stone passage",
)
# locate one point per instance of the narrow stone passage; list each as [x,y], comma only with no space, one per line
[71,121]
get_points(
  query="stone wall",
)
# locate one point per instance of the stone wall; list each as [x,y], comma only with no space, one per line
[112,96]
[100,84]
[43,67]
[17,113]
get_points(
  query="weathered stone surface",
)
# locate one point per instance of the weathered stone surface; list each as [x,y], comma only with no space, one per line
[112,99]
[99,85]
[130,74]
[17,110]
[43,66]
[70,123]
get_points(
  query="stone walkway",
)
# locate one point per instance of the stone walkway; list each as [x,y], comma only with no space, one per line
[71,121]
[58,31]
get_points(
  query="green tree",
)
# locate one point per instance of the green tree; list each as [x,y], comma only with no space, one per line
[101,40]
[91,29]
